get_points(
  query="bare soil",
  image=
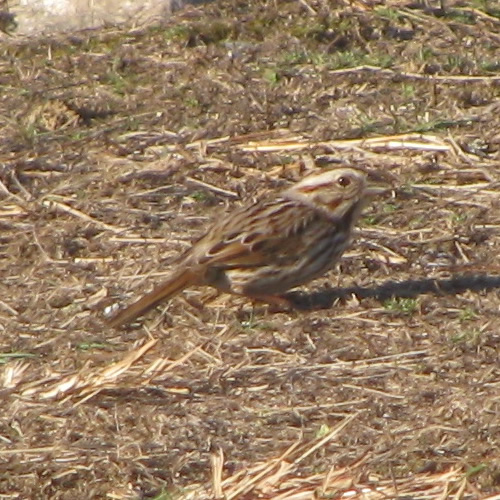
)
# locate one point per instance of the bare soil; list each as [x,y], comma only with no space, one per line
[118,147]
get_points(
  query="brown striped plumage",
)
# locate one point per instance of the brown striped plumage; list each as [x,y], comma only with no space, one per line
[275,244]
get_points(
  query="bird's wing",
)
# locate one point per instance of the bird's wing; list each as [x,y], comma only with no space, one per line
[251,236]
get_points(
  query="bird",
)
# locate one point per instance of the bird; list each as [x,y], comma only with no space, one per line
[265,248]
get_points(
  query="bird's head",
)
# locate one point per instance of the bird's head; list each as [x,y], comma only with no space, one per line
[335,192]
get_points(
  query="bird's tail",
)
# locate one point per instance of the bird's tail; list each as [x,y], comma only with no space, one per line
[171,287]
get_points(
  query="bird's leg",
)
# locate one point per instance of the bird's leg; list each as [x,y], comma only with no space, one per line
[278,303]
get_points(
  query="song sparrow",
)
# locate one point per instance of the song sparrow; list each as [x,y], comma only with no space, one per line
[270,246]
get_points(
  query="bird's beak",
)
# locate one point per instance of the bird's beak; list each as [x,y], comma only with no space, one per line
[375,190]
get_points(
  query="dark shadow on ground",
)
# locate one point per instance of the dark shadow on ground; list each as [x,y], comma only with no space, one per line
[324,299]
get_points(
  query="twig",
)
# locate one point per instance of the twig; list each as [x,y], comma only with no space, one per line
[416,76]
[211,187]
[62,207]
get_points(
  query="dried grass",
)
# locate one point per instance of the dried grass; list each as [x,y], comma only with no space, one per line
[383,383]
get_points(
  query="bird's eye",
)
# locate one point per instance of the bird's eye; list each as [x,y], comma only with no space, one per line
[344,181]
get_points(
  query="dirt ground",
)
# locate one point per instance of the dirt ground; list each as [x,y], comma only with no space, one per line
[118,147]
